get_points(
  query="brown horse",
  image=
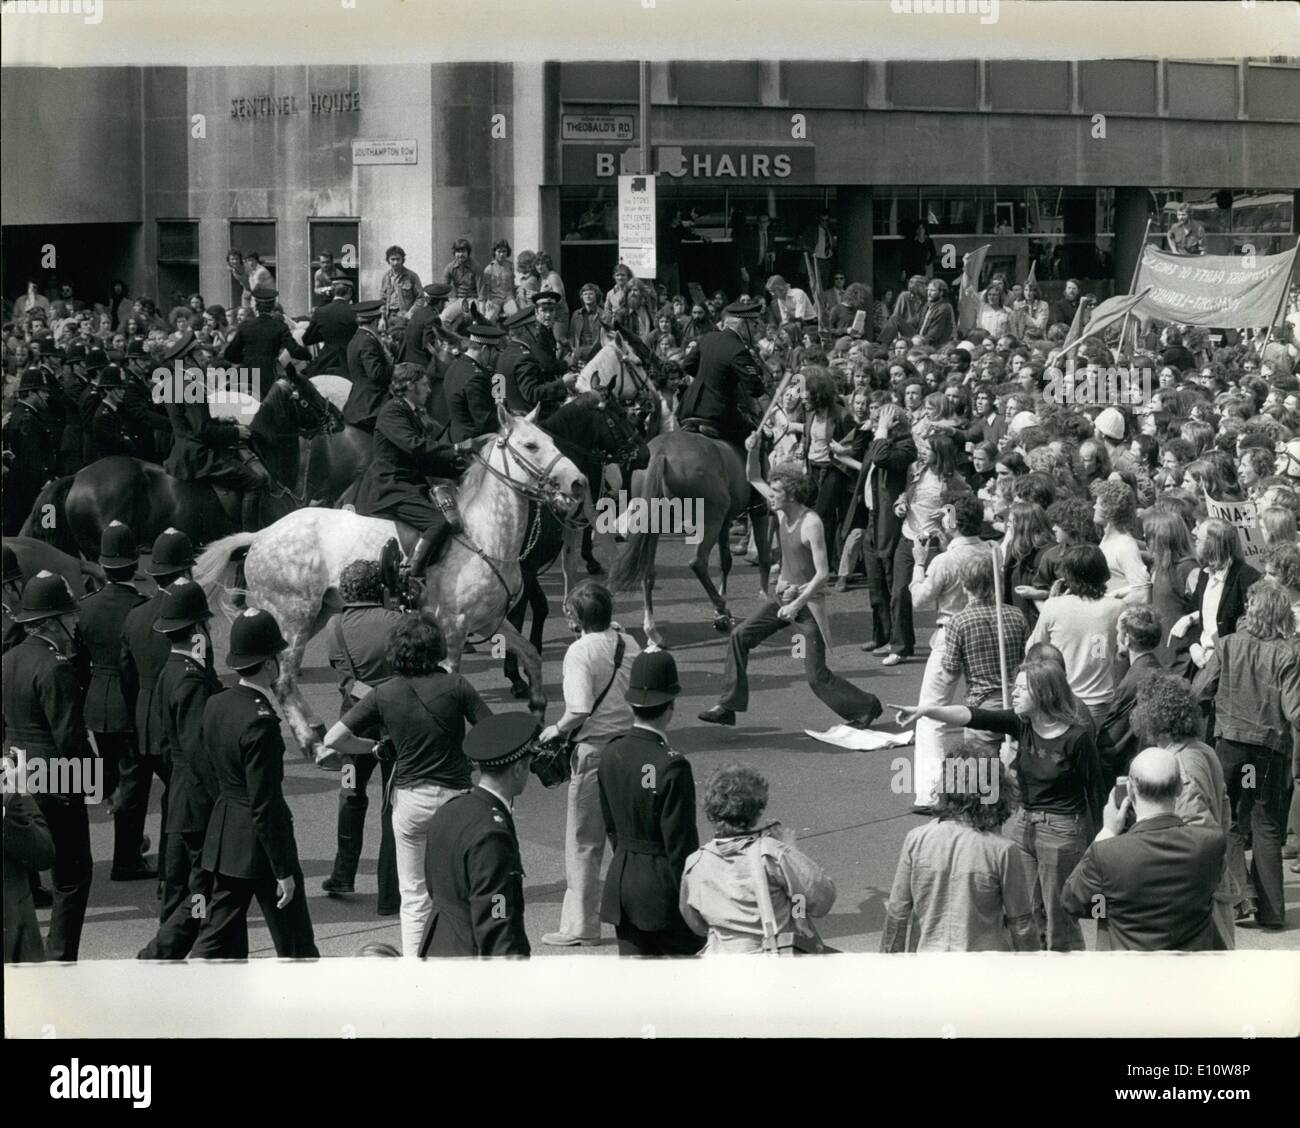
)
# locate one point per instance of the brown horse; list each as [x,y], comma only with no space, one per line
[707,477]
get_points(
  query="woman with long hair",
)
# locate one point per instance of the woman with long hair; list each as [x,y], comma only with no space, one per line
[634,318]
[958,879]
[1214,473]
[424,710]
[1059,779]
[999,493]
[825,423]
[719,896]
[1035,315]
[1029,534]
[1173,580]
[1115,510]
[934,477]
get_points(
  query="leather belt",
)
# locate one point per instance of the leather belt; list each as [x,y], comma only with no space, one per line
[642,846]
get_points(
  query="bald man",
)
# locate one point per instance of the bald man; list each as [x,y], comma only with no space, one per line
[1150,887]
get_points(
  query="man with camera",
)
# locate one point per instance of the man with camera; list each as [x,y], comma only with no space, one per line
[596,670]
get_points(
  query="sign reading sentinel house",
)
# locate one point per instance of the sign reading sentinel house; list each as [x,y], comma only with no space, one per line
[286,105]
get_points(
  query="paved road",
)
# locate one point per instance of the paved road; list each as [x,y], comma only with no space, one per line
[839,804]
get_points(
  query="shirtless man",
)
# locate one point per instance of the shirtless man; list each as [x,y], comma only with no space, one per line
[800,602]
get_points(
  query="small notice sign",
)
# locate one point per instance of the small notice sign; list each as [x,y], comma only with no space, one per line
[384,150]
[596,127]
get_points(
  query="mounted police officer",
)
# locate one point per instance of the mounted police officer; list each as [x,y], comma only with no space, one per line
[259,340]
[186,683]
[31,434]
[470,386]
[207,449]
[144,654]
[111,431]
[74,386]
[406,455]
[103,618]
[147,416]
[370,368]
[332,326]
[249,845]
[727,378]
[88,401]
[473,870]
[44,720]
[647,798]
[540,373]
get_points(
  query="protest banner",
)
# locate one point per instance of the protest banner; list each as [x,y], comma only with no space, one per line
[1244,517]
[1216,291]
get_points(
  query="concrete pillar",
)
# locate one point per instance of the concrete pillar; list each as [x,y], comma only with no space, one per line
[854,252]
[1131,212]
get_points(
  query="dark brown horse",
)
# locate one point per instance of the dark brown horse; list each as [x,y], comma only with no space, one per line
[706,478]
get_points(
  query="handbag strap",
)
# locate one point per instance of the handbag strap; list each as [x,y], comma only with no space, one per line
[619,648]
[766,914]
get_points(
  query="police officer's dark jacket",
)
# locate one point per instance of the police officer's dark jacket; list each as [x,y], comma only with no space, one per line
[184,687]
[103,616]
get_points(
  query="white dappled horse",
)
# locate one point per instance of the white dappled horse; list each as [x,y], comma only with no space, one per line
[293,566]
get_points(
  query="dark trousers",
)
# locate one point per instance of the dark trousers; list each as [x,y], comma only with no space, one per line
[72,873]
[187,894]
[1264,807]
[115,749]
[224,934]
[878,556]
[136,782]
[680,941]
[118,751]
[902,635]
[840,695]
[832,492]
[353,805]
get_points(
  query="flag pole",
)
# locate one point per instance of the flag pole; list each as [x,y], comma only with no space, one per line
[1146,233]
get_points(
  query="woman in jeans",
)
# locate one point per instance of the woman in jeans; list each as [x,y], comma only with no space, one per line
[958,878]
[934,477]
[719,896]
[423,710]
[1256,715]
[1059,779]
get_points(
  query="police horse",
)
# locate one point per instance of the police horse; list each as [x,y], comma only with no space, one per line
[292,568]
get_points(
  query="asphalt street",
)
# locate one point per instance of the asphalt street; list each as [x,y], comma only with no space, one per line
[841,807]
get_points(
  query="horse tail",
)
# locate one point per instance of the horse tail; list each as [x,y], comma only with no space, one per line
[48,520]
[638,554]
[213,560]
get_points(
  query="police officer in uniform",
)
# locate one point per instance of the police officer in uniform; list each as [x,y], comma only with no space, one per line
[249,847]
[647,798]
[75,384]
[148,417]
[88,401]
[472,867]
[43,717]
[144,654]
[111,431]
[186,683]
[424,335]
[103,617]
[370,368]
[406,454]
[726,376]
[358,641]
[259,340]
[31,438]
[470,386]
[332,326]
[11,584]
[540,373]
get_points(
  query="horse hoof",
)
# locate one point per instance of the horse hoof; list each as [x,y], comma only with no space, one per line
[723,622]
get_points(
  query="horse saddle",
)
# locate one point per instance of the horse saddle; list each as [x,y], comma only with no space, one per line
[700,427]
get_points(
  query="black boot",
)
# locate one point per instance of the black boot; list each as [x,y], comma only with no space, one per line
[250,504]
[428,549]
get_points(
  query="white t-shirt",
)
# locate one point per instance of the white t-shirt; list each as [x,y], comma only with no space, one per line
[1127,568]
[1083,630]
[587,665]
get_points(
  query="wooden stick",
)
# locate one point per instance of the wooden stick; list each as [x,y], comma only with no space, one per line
[1123,329]
[997,604]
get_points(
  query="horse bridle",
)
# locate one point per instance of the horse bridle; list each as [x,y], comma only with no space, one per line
[540,486]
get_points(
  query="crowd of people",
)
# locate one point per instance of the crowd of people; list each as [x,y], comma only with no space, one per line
[1129,723]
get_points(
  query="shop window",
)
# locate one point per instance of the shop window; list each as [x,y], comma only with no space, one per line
[178,261]
[341,239]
